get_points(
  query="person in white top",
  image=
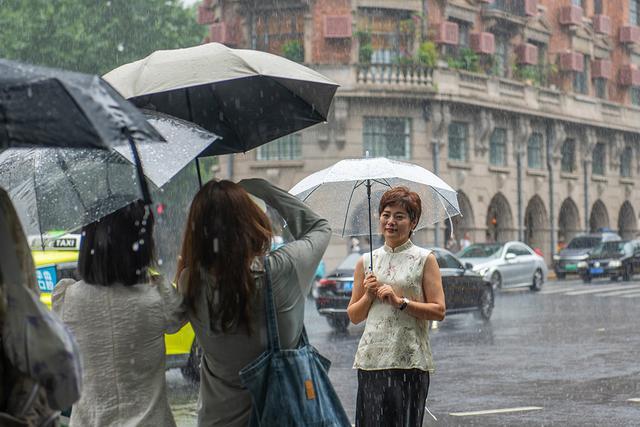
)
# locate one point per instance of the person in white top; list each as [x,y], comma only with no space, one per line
[397,297]
[119,314]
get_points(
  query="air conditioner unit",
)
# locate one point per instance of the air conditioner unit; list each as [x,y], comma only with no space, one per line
[447,33]
[629,75]
[205,15]
[527,54]
[483,43]
[337,26]
[601,69]
[572,61]
[571,15]
[531,7]
[629,34]
[602,24]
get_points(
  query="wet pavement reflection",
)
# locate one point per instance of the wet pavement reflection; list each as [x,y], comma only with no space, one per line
[564,356]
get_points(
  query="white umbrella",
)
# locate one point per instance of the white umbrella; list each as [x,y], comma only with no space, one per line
[344,193]
[248,97]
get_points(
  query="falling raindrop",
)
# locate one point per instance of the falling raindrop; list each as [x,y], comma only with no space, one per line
[215,245]
[120,47]
[135,246]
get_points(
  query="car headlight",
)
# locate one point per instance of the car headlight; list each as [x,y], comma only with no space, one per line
[585,256]
[484,270]
[556,257]
[582,264]
[615,263]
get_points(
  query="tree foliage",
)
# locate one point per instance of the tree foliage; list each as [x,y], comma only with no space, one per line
[93,36]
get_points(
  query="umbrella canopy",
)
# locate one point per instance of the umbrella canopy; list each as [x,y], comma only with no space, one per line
[345,192]
[64,189]
[185,142]
[248,97]
[42,106]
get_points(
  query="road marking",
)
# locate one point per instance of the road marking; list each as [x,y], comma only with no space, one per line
[558,291]
[631,295]
[616,293]
[496,411]
[634,400]
[603,289]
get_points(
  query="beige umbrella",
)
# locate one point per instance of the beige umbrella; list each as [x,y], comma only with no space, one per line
[248,97]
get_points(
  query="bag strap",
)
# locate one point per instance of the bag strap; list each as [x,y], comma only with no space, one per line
[270,310]
[273,334]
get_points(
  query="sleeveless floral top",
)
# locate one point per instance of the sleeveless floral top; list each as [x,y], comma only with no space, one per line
[394,339]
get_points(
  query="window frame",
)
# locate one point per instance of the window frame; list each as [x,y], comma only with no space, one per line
[275,150]
[580,78]
[572,154]
[462,140]
[372,134]
[538,138]
[626,162]
[495,144]
[599,158]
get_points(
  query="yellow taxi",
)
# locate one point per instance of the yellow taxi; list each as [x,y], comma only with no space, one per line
[58,260]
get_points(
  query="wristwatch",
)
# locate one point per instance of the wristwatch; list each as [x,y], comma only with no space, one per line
[405,303]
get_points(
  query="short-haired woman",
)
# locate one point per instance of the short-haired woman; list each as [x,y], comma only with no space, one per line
[397,299]
[221,274]
[119,313]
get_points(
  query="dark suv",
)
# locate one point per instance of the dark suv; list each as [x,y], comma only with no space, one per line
[566,261]
[616,259]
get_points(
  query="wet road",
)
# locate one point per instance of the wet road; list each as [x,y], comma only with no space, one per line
[565,356]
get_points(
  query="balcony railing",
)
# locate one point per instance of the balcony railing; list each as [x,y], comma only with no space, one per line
[513,7]
[394,74]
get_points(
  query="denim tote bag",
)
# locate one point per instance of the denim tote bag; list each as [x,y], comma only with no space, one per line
[290,387]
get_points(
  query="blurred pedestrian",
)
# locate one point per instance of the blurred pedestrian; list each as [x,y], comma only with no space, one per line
[119,313]
[466,241]
[221,274]
[39,361]
[397,299]
[452,244]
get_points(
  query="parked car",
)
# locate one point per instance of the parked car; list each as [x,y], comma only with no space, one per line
[464,290]
[566,261]
[59,259]
[613,259]
[506,265]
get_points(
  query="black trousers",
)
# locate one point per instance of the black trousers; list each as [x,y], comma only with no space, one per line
[391,397]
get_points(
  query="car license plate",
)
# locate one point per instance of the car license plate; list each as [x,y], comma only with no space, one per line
[47,278]
[347,286]
[571,267]
[596,270]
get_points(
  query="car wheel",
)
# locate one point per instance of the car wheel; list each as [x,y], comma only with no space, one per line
[561,276]
[628,272]
[538,280]
[485,304]
[496,280]
[339,324]
[613,278]
[586,278]
[191,371]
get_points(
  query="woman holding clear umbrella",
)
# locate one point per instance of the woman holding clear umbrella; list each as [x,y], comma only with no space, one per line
[221,274]
[397,296]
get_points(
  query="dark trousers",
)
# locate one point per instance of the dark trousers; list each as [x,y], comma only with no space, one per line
[391,397]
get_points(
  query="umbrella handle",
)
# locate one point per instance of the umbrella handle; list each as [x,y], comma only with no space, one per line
[370,231]
[144,187]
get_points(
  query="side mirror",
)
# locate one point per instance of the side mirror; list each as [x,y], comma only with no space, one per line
[509,256]
[468,266]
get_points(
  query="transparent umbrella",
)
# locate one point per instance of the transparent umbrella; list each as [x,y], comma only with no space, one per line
[345,192]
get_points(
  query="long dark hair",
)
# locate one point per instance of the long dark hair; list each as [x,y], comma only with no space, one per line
[225,231]
[118,248]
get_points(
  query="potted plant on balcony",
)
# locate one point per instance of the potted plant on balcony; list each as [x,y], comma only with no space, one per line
[365,50]
[293,50]
[466,60]
[428,55]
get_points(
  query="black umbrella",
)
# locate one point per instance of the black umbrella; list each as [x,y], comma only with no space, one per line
[247,97]
[46,107]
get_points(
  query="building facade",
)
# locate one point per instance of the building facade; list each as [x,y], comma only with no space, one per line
[530,109]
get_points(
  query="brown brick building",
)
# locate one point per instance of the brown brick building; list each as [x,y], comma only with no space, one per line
[531,109]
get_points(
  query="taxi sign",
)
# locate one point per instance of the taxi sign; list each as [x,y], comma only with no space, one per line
[47,278]
[65,242]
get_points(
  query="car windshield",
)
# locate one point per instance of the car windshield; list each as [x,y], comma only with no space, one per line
[349,263]
[584,242]
[608,249]
[481,251]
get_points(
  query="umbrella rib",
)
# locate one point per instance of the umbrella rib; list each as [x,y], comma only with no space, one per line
[65,168]
[35,190]
[346,214]
[383,182]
